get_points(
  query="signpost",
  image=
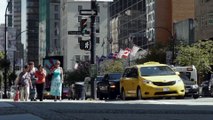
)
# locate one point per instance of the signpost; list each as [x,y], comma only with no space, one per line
[74,32]
[88,12]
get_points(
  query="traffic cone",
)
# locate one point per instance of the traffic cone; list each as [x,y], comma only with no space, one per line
[16,98]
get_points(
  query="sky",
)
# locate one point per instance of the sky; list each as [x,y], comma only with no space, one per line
[2,9]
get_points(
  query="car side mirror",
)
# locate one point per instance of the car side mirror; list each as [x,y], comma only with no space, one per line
[177,73]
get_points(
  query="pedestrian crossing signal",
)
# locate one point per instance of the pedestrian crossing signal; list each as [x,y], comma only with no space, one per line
[85,44]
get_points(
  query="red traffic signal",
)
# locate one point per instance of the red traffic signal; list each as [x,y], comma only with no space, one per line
[83,25]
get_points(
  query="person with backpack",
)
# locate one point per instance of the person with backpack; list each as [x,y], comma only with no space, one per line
[24,84]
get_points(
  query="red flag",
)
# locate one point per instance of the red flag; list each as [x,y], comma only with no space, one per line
[126,52]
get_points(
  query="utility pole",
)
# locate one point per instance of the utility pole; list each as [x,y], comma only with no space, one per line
[5,51]
[93,44]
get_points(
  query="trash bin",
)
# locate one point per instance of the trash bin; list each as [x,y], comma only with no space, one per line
[79,91]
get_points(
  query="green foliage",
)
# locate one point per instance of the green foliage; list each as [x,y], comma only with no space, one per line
[199,54]
[4,64]
[77,75]
[110,66]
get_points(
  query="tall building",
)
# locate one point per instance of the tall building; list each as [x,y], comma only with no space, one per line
[162,14]
[49,26]
[32,31]
[128,24]
[70,21]
[16,24]
[204,19]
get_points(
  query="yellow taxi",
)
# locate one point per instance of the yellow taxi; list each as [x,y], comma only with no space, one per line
[150,80]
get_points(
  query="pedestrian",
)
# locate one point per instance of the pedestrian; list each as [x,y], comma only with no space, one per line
[24,83]
[40,75]
[56,81]
[32,70]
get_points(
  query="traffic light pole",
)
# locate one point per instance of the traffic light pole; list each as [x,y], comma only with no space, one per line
[93,44]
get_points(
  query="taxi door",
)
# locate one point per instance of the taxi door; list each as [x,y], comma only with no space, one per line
[134,81]
[125,82]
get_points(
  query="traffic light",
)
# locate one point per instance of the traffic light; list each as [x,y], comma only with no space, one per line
[85,44]
[83,25]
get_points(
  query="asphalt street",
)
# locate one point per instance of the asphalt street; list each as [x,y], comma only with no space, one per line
[162,109]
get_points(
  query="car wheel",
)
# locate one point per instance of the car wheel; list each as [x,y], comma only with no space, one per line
[195,96]
[139,96]
[123,96]
[180,97]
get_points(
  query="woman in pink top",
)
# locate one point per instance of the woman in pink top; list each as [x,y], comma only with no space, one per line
[40,81]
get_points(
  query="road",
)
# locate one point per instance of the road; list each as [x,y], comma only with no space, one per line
[162,109]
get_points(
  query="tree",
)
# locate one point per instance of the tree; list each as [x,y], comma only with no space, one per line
[111,65]
[77,75]
[199,54]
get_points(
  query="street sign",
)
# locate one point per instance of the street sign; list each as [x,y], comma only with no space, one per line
[77,32]
[88,12]
[74,32]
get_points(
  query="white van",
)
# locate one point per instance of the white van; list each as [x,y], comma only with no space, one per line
[189,71]
[189,77]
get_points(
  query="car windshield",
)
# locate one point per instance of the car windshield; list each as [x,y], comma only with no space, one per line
[114,76]
[185,76]
[156,70]
[99,78]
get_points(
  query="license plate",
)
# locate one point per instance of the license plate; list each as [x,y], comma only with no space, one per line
[103,88]
[165,89]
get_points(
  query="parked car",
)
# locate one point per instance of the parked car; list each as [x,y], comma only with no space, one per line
[206,88]
[191,87]
[151,80]
[109,86]
[189,76]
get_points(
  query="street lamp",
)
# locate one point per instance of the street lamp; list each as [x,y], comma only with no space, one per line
[17,36]
[5,52]
[172,39]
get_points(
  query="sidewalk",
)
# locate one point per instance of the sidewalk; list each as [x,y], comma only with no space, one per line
[10,112]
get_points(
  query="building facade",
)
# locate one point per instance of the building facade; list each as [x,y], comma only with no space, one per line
[49,26]
[203,19]
[32,31]
[128,24]
[161,16]
[16,24]
[70,21]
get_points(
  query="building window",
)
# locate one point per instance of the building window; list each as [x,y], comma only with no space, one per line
[56,7]
[86,57]
[56,16]
[79,7]
[97,40]
[79,18]
[77,58]
[98,19]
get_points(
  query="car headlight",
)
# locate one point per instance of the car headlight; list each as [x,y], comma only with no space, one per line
[177,81]
[194,86]
[112,86]
[147,81]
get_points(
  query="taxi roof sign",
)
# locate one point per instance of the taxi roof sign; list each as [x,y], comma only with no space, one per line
[151,62]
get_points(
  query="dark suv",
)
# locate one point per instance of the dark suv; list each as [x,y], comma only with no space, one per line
[191,87]
[109,86]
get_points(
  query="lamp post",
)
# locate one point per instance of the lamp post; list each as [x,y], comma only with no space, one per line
[17,36]
[5,51]
[172,39]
